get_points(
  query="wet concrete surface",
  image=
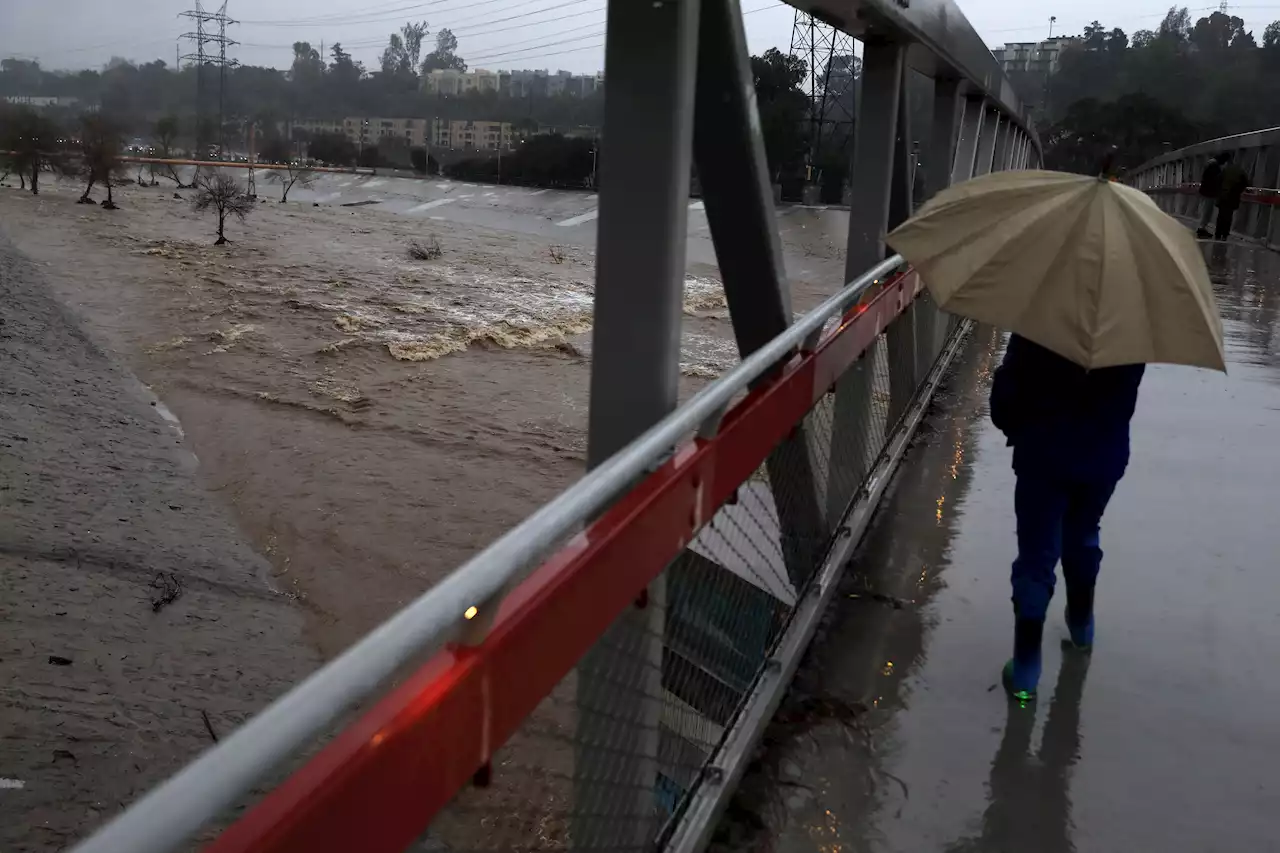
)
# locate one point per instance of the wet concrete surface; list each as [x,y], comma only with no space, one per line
[897,736]
[136,623]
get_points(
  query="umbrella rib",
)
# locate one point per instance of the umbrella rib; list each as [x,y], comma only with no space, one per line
[1076,225]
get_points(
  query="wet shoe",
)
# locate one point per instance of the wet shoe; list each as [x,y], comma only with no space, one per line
[1080,618]
[1021,680]
[1081,634]
[1022,673]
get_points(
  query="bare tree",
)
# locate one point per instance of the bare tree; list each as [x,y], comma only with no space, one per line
[292,173]
[222,194]
[32,140]
[166,133]
[100,143]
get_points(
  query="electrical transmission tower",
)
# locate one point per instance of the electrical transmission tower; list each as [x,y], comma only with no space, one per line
[211,43]
[833,71]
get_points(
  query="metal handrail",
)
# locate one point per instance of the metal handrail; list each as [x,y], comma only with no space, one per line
[172,813]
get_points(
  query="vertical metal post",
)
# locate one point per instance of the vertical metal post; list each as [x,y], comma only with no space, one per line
[1000,161]
[871,181]
[871,172]
[650,62]
[970,130]
[947,113]
[987,143]
[1270,179]
[901,191]
[729,152]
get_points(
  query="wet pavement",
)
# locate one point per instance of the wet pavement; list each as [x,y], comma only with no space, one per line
[897,736]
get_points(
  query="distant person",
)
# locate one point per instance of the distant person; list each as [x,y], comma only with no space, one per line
[1069,428]
[1210,186]
[919,186]
[1235,180]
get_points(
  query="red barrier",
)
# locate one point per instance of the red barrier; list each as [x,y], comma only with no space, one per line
[376,787]
[1253,195]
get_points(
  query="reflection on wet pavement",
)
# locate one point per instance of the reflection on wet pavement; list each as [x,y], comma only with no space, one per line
[897,737]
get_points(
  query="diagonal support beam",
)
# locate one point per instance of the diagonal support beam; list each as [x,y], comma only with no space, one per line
[871,177]
[729,152]
[970,130]
[987,143]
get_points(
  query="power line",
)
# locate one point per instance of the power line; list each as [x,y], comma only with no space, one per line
[479,29]
[340,16]
[487,56]
[360,18]
[521,16]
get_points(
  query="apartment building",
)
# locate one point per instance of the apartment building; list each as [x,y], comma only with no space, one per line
[1029,65]
[472,135]
[1036,57]
[448,81]
[516,84]
[40,101]
[372,130]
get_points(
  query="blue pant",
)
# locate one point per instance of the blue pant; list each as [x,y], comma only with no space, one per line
[1058,518]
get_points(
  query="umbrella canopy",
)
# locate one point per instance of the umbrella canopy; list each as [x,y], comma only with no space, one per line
[1088,268]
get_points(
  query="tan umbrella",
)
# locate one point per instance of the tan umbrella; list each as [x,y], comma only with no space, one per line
[1091,269]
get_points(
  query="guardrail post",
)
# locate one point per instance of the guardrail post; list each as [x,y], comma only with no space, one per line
[967,147]
[1000,161]
[1268,178]
[729,153]
[948,109]
[871,181]
[987,143]
[907,337]
[646,154]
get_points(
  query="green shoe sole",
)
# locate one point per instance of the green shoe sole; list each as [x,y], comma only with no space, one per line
[1006,678]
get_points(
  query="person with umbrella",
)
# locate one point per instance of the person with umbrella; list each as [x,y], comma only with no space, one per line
[1094,281]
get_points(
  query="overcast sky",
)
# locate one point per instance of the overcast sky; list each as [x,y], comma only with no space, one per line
[555,34]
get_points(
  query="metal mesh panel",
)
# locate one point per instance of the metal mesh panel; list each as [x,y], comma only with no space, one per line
[609,758]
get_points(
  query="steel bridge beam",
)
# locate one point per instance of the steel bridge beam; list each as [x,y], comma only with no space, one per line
[646,155]
[730,156]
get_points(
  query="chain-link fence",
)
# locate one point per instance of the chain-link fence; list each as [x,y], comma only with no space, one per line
[610,759]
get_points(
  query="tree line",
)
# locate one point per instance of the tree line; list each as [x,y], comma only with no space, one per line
[1160,89]
[312,87]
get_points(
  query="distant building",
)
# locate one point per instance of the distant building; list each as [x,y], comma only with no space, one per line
[515,84]
[1029,65]
[473,135]
[449,81]
[581,131]
[40,101]
[1033,56]
[371,130]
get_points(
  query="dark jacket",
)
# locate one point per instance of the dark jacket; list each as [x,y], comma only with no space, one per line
[1061,418]
[1235,181]
[1211,180]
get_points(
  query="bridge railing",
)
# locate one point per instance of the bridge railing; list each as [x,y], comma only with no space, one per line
[597,677]
[1173,179]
